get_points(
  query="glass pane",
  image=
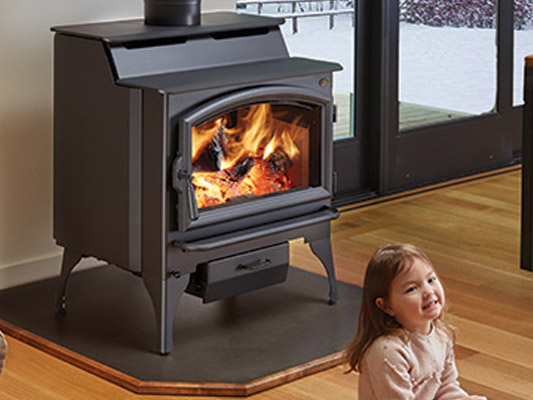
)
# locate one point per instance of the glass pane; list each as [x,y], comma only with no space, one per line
[523,45]
[255,151]
[322,30]
[447,60]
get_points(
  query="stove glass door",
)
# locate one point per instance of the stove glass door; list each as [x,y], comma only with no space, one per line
[251,152]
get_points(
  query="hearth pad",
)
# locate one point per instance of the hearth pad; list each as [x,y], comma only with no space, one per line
[238,346]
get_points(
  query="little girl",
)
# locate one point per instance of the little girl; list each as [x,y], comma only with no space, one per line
[403,349]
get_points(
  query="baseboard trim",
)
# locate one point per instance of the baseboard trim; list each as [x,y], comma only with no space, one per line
[428,188]
[38,269]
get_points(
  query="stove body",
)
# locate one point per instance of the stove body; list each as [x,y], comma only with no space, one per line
[129,99]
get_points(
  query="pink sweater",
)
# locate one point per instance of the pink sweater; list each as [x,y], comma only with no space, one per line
[410,366]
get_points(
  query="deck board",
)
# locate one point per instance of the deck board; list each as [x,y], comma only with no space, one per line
[410,116]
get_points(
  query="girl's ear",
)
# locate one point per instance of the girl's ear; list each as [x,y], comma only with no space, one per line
[382,305]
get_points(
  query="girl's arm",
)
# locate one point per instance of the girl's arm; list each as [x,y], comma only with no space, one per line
[450,388]
[387,374]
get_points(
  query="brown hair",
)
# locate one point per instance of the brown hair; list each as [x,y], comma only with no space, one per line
[385,264]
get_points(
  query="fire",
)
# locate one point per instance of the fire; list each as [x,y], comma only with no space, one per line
[246,153]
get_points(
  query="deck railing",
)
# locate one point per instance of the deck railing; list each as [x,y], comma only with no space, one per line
[328,8]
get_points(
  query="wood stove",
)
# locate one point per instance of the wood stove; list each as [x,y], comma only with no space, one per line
[190,154]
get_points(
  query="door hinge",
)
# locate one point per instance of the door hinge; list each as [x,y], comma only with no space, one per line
[334,181]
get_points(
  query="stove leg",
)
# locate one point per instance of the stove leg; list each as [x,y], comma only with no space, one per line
[70,260]
[165,295]
[322,249]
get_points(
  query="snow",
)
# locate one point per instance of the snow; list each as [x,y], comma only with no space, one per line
[315,40]
[451,68]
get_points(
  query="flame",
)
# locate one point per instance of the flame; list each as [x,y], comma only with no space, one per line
[257,156]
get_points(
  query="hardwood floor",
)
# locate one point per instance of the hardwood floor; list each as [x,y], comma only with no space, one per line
[471,233]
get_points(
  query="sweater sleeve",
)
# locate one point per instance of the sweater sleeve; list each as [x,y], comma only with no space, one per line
[387,371]
[450,388]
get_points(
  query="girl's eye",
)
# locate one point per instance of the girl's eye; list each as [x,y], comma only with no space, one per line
[433,279]
[410,289]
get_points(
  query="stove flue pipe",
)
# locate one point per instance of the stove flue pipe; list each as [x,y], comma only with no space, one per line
[172,12]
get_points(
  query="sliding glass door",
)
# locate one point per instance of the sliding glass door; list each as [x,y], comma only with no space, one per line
[426,94]
[439,97]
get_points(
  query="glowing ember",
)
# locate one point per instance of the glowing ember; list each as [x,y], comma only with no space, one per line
[260,154]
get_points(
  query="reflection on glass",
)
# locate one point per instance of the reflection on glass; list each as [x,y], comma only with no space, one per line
[447,61]
[321,30]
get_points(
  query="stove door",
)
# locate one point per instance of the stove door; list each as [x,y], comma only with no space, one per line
[251,152]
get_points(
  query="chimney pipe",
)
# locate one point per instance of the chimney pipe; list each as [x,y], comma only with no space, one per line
[172,12]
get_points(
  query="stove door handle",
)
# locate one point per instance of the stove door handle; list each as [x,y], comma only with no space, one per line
[182,182]
[191,201]
[186,179]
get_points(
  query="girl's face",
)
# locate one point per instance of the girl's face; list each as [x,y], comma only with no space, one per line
[416,297]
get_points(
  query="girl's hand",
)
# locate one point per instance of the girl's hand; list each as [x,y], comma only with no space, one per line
[476,398]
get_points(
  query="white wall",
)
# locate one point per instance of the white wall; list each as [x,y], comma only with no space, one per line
[27,248]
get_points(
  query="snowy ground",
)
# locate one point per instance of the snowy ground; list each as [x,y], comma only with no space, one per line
[452,68]
[314,39]
[455,68]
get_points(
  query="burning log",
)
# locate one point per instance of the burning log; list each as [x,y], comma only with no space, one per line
[279,162]
[211,156]
[247,153]
[240,170]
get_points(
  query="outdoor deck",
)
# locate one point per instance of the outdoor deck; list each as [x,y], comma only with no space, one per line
[411,116]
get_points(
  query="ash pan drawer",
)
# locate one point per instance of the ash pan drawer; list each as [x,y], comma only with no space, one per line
[240,273]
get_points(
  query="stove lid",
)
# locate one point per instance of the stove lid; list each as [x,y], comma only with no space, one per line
[135,31]
[254,72]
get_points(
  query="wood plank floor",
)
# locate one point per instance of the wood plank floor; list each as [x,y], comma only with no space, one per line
[469,230]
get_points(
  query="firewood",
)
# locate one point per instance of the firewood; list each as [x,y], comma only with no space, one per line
[212,154]
[240,170]
[279,162]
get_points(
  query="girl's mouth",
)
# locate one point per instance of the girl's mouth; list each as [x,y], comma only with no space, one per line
[430,305]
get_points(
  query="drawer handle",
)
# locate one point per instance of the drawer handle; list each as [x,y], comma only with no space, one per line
[256,265]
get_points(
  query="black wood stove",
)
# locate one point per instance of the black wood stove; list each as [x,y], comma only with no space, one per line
[189,149]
